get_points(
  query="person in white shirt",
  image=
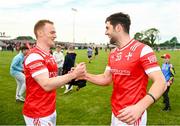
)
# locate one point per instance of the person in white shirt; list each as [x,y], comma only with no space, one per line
[59,58]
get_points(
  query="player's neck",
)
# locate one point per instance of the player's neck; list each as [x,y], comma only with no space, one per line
[123,41]
[43,46]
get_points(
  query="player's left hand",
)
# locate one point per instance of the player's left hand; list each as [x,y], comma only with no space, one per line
[130,114]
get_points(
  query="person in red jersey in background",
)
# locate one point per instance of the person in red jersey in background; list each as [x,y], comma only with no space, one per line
[129,66]
[41,78]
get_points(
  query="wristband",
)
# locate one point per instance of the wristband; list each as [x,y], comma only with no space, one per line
[152,97]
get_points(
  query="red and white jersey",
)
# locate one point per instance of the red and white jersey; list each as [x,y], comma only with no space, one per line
[129,67]
[38,102]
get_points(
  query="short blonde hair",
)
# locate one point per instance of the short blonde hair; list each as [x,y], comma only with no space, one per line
[40,24]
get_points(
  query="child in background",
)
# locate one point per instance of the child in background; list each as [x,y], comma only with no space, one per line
[168,72]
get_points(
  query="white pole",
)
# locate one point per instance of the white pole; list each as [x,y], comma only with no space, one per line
[74,12]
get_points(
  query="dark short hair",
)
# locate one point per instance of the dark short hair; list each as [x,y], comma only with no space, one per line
[24,48]
[40,24]
[120,18]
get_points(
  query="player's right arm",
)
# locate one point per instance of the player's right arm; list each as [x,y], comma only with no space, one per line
[49,84]
[100,79]
[38,70]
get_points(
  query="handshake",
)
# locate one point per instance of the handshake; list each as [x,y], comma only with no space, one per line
[78,75]
[79,72]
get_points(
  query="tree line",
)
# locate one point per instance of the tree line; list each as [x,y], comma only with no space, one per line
[151,37]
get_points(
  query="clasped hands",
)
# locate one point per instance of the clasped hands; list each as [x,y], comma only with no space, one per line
[79,71]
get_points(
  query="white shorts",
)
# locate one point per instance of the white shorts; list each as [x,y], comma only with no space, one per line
[44,121]
[140,122]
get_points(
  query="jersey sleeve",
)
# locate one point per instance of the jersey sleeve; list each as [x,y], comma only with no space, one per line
[108,64]
[108,67]
[148,60]
[35,64]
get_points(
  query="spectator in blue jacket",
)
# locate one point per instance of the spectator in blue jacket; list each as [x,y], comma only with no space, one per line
[16,70]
